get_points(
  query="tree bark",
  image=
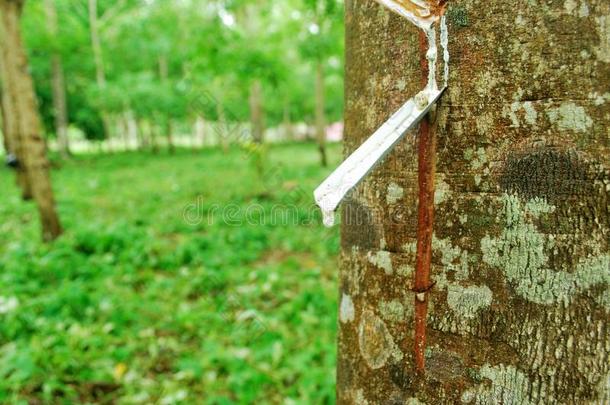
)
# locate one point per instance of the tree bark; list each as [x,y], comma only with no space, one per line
[518,312]
[96,45]
[167,119]
[60,107]
[9,125]
[142,135]
[154,142]
[256,112]
[199,131]
[320,115]
[126,135]
[169,128]
[223,127]
[98,59]
[3,119]
[20,106]
[288,128]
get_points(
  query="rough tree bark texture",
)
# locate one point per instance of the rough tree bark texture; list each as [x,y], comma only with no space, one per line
[9,125]
[60,107]
[21,111]
[521,251]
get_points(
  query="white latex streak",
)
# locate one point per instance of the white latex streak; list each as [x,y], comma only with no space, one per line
[334,189]
[351,172]
[431,55]
[445,46]
[424,24]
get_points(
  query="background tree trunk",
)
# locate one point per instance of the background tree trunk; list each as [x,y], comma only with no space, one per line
[167,119]
[521,250]
[169,128]
[320,116]
[287,123]
[98,59]
[256,112]
[154,141]
[142,134]
[223,127]
[20,105]
[58,84]
[2,118]
[199,131]
[9,122]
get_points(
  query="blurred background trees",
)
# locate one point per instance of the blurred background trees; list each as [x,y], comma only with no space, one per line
[133,73]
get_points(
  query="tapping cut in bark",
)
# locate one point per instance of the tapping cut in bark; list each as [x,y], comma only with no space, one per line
[521,252]
[425,219]
[352,171]
[422,13]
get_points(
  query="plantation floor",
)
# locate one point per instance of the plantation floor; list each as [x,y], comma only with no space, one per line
[185,279]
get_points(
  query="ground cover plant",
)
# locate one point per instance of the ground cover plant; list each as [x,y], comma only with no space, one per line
[180,279]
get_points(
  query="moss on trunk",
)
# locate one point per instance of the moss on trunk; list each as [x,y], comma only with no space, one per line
[521,253]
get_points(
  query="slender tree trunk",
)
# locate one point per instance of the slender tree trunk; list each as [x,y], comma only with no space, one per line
[256,112]
[58,85]
[200,130]
[98,59]
[320,116]
[10,123]
[288,128]
[20,105]
[168,127]
[96,45]
[142,135]
[124,120]
[133,127]
[170,138]
[3,118]
[518,312]
[223,127]
[154,142]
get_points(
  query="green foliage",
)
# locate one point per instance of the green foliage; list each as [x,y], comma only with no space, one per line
[151,297]
[216,47]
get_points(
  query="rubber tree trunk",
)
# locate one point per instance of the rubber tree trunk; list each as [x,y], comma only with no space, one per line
[320,115]
[21,110]
[199,131]
[167,120]
[98,59]
[3,120]
[125,130]
[256,112]
[169,128]
[288,128]
[142,134]
[58,85]
[10,124]
[521,253]
[154,141]
[224,136]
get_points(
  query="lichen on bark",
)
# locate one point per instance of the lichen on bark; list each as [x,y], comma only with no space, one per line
[521,253]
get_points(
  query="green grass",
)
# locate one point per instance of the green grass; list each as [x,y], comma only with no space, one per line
[136,304]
